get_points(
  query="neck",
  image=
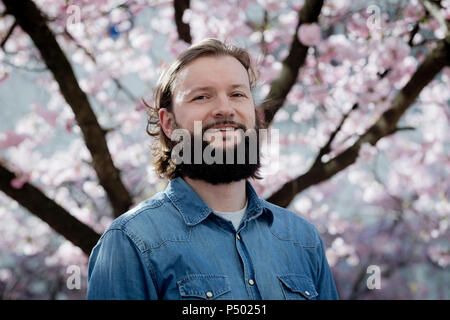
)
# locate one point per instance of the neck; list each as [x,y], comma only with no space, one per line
[221,197]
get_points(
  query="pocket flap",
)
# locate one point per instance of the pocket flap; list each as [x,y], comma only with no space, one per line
[203,286]
[299,284]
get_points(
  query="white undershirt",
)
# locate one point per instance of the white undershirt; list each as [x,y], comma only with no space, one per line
[235,216]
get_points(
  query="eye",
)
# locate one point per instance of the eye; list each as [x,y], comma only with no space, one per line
[238,95]
[200,98]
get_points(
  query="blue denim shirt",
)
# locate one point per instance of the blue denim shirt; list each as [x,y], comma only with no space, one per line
[171,246]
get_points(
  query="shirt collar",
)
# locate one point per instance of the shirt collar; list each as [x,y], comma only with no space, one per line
[194,210]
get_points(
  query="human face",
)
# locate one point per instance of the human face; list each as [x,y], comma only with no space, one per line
[214,90]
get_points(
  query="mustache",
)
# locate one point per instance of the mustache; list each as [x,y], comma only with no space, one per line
[206,127]
[224,122]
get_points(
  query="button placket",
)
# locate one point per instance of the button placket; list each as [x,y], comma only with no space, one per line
[248,272]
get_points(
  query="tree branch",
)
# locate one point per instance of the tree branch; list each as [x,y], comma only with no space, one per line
[281,86]
[414,31]
[30,19]
[327,147]
[433,9]
[184,31]
[127,92]
[49,211]
[79,46]
[116,81]
[396,129]
[8,34]
[384,126]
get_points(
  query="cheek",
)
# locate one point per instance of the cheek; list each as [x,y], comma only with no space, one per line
[250,117]
[186,115]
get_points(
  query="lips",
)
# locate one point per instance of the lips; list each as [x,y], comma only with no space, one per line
[223,128]
[229,132]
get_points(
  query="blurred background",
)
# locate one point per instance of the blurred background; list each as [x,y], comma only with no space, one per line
[359,91]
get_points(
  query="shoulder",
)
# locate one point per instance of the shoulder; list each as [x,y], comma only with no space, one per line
[150,222]
[288,225]
[147,209]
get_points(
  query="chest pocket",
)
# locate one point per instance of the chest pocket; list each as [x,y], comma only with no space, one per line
[298,287]
[204,286]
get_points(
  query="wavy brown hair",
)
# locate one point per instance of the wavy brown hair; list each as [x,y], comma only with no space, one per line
[162,146]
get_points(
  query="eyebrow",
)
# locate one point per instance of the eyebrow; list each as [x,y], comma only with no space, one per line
[207,88]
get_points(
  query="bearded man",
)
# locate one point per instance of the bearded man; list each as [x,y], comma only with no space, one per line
[208,235]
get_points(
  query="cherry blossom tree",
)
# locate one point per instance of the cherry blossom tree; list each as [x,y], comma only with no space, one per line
[359,93]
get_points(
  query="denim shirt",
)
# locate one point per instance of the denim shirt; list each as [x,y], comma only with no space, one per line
[172,246]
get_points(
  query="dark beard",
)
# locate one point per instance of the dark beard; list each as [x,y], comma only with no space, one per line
[223,172]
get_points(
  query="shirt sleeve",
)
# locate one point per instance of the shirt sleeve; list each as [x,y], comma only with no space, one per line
[325,283]
[117,270]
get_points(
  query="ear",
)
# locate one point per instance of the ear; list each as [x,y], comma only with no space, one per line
[167,121]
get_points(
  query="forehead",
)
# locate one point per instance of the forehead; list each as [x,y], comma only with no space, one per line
[211,71]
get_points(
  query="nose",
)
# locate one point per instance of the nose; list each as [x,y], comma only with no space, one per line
[223,108]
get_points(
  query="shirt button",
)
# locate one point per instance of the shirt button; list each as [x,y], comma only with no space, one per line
[251,282]
[239,237]
[209,294]
[307,293]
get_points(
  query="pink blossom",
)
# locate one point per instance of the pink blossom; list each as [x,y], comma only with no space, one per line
[140,40]
[297,5]
[446,13]
[289,19]
[271,5]
[413,11]
[440,255]
[49,116]
[393,52]
[339,48]
[69,124]
[3,75]
[178,46]
[319,92]
[18,182]
[309,34]
[345,69]
[357,26]
[11,139]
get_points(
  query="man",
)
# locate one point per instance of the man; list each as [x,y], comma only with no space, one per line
[208,235]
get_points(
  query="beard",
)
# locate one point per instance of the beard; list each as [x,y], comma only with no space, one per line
[241,160]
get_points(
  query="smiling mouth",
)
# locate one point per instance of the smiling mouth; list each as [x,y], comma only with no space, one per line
[227,131]
[222,129]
